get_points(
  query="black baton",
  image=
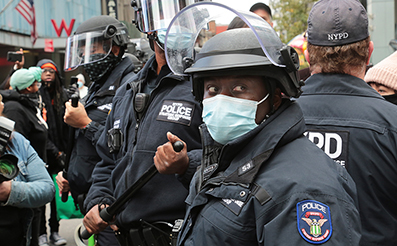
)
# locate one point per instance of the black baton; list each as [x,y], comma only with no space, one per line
[75,101]
[108,212]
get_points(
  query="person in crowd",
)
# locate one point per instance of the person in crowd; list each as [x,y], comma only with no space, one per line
[152,103]
[30,187]
[383,78]
[54,97]
[260,179]
[237,22]
[263,10]
[107,71]
[23,104]
[348,119]
[5,85]
[83,89]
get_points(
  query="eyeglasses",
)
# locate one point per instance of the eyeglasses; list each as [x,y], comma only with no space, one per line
[38,84]
[48,70]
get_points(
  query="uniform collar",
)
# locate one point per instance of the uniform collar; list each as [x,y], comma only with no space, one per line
[338,84]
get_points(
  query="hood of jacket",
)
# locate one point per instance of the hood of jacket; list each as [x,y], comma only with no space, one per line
[24,99]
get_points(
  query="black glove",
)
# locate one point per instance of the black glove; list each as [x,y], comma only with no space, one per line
[72,90]
[61,160]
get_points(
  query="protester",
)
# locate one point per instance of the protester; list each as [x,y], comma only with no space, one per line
[107,71]
[260,178]
[54,97]
[83,90]
[349,120]
[152,103]
[23,104]
[263,10]
[31,188]
[383,78]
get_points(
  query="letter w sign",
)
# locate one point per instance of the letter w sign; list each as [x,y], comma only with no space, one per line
[58,30]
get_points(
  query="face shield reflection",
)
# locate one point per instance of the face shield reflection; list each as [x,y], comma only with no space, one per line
[84,48]
[155,15]
[197,23]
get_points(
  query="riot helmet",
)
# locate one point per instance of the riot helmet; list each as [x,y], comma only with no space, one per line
[155,15]
[95,36]
[254,50]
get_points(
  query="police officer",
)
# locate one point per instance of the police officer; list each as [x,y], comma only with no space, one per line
[261,181]
[349,120]
[98,46]
[153,103]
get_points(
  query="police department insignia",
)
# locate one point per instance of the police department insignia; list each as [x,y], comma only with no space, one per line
[233,205]
[314,221]
[176,111]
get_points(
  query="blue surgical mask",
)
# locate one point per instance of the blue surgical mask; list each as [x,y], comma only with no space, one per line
[180,40]
[228,118]
[79,84]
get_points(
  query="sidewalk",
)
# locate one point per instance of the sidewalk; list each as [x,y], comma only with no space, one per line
[66,227]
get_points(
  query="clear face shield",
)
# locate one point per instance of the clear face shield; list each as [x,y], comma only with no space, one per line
[197,23]
[152,15]
[86,48]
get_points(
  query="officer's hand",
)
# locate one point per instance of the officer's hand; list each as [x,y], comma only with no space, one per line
[72,90]
[62,183]
[76,117]
[5,189]
[93,223]
[168,161]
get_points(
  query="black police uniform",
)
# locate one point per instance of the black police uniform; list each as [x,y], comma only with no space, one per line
[355,126]
[171,108]
[270,186]
[97,105]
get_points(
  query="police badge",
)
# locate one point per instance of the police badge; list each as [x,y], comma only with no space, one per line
[314,221]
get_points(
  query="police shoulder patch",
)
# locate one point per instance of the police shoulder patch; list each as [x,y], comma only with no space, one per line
[314,221]
[176,111]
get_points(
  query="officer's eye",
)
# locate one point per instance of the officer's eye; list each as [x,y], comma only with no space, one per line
[239,88]
[212,90]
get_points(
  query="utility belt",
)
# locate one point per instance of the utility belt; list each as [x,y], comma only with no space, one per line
[151,234]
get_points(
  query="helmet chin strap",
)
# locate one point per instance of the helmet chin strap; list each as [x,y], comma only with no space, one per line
[153,38]
[161,45]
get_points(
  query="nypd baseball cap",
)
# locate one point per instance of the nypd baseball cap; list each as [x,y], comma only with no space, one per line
[337,22]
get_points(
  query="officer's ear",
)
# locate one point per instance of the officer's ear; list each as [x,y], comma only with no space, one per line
[277,98]
[306,53]
[115,50]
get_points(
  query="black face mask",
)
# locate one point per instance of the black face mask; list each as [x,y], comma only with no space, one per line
[35,99]
[391,98]
[98,69]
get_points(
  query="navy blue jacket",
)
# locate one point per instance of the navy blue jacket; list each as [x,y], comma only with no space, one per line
[171,108]
[355,126]
[97,105]
[270,187]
